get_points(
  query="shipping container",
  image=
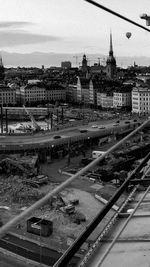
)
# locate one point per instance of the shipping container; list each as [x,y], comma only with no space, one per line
[39,226]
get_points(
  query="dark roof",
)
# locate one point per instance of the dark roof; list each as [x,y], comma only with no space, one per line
[39,85]
[84,83]
[54,86]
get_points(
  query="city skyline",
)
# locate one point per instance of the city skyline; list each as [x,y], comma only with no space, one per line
[72,27]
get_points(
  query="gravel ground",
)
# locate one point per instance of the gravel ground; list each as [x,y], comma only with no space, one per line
[63,227]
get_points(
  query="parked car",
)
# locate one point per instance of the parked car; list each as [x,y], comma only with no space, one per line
[83,131]
[94,126]
[101,127]
[57,136]
[127,122]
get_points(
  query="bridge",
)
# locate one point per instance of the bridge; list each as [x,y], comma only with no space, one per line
[24,142]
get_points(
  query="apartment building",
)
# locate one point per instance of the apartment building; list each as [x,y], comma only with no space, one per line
[141,100]
[105,100]
[32,93]
[122,99]
[83,92]
[55,92]
[71,93]
[7,95]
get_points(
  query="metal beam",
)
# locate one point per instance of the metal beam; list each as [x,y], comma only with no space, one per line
[139,181]
[117,14]
[1,118]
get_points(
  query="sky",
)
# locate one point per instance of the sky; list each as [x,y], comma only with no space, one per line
[72,26]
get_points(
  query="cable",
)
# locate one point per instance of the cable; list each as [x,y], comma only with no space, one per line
[117,14]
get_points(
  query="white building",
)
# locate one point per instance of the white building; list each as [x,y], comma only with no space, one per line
[83,92]
[7,95]
[144,77]
[105,100]
[122,99]
[34,81]
[32,93]
[94,86]
[98,99]
[79,90]
[55,92]
[141,100]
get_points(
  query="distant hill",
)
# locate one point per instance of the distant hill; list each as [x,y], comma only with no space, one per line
[37,59]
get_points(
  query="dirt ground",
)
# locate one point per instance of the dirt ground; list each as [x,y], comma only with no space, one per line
[64,230]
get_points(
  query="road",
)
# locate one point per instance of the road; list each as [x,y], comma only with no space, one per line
[47,139]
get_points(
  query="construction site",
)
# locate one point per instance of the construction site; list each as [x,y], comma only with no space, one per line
[27,177]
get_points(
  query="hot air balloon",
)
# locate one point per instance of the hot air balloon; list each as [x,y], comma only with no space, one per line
[128,35]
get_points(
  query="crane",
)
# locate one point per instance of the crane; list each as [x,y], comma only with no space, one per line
[36,127]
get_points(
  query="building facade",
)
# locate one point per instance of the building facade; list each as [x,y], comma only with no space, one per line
[7,95]
[141,100]
[71,93]
[79,90]
[66,65]
[122,99]
[92,93]
[32,93]
[83,92]
[105,100]
[55,93]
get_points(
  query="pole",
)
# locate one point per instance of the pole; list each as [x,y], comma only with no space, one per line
[51,120]
[62,115]
[6,121]
[57,115]
[1,119]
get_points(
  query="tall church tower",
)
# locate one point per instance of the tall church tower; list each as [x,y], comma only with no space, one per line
[2,70]
[85,67]
[111,62]
[84,62]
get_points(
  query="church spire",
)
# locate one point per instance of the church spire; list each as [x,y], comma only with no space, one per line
[2,71]
[111,46]
[1,62]
[111,61]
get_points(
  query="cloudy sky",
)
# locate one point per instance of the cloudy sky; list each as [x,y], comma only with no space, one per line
[72,26]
